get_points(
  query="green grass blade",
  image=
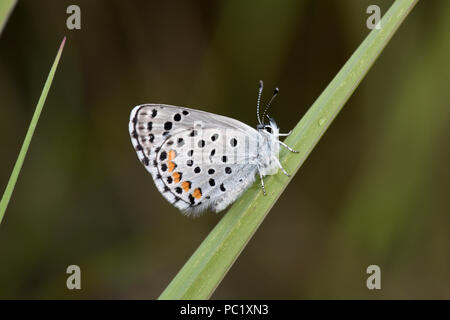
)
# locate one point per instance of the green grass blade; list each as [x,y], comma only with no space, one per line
[208,265]
[26,143]
[6,7]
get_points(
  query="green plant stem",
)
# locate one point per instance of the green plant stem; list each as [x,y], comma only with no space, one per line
[203,272]
[26,143]
[6,8]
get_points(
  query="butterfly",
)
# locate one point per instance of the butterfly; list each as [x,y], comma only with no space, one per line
[203,161]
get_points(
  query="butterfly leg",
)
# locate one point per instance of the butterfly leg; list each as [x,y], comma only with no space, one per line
[262,182]
[282,169]
[285,134]
[287,147]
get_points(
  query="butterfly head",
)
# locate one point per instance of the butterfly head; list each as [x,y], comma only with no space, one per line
[269,128]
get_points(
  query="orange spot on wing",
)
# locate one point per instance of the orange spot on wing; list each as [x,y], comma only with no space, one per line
[197,193]
[186,185]
[171,165]
[172,155]
[176,177]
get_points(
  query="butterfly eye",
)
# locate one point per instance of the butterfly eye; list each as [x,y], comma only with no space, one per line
[268,129]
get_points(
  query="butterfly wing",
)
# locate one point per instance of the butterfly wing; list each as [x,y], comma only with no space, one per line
[197,159]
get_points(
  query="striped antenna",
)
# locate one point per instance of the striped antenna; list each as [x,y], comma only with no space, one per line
[275,92]
[260,89]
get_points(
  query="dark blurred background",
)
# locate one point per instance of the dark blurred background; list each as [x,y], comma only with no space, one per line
[375,190]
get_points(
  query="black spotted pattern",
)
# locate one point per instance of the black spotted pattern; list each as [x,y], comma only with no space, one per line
[228,170]
[197,170]
[222,188]
[167,125]
[177,117]
[163,156]
[211,171]
[212,182]
[233,142]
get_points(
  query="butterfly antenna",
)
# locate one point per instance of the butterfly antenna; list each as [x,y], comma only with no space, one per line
[260,89]
[275,92]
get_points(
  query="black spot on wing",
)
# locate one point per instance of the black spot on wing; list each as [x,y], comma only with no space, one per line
[167,125]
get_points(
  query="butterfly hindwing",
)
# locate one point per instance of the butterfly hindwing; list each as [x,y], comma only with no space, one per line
[201,169]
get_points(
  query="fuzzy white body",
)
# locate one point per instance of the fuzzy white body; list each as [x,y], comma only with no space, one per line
[201,160]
